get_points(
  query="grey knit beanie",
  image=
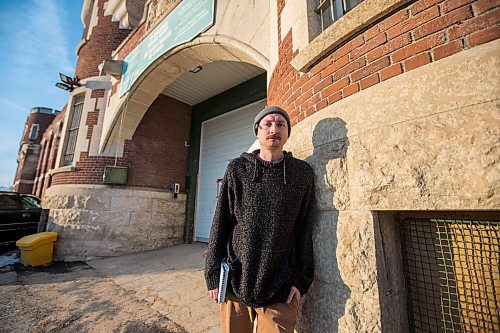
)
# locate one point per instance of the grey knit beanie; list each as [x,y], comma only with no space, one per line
[270,110]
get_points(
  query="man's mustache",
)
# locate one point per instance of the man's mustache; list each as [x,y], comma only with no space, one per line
[275,136]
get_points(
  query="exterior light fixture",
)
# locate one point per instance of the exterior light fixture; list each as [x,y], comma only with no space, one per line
[72,81]
[64,86]
[196,69]
[68,83]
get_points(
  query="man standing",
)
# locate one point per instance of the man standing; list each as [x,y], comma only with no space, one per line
[262,228]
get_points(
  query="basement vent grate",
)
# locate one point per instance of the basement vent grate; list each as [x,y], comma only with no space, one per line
[451,268]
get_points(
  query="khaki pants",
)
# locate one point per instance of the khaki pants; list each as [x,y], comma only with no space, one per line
[275,318]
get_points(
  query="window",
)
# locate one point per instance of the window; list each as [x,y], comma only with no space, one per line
[331,10]
[73,126]
[35,129]
[9,201]
[30,202]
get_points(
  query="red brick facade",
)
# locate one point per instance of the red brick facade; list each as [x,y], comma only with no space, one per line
[47,161]
[157,150]
[104,39]
[156,155]
[133,40]
[423,32]
[42,119]
[30,149]
[413,36]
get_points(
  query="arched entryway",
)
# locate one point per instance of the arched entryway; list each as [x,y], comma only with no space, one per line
[225,84]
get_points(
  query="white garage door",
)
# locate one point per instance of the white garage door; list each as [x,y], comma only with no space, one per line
[222,139]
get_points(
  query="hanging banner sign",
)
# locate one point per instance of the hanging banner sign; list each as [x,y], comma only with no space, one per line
[185,22]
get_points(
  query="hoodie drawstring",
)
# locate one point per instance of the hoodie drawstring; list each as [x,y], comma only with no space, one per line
[255,169]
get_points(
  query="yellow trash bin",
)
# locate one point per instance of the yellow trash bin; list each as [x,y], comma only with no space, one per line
[37,249]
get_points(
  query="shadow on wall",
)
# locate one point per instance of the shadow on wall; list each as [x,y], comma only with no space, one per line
[325,302]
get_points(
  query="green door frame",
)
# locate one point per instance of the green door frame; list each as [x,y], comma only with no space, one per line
[243,94]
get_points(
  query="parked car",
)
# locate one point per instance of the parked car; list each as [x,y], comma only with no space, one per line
[19,217]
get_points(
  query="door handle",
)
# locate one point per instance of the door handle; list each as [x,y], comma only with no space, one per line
[26,214]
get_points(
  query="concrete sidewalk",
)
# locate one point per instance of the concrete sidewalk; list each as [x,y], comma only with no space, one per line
[171,280]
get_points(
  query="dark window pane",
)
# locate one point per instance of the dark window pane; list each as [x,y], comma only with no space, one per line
[350,4]
[327,17]
[332,10]
[30,202]
[9,202]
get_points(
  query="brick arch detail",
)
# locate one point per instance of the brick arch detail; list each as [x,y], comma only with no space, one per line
[167,69]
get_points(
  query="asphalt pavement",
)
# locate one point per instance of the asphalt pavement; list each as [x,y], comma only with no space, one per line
[162,290]
[171,280]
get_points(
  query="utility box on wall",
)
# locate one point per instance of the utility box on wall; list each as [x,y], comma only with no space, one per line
[115,175]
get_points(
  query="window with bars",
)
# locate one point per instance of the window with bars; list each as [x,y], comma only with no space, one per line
[73,126]
[331,10]
[451,267]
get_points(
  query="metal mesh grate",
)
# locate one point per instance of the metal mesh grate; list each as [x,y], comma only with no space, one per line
[452,274]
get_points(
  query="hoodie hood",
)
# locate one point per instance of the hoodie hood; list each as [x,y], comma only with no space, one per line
[259,165]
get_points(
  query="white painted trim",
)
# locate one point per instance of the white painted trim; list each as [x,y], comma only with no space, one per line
[68,168]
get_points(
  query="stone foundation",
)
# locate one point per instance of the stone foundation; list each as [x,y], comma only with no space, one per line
[425,140]
[100,221]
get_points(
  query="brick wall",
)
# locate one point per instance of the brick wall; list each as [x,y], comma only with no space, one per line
[93,116]
[423,32]
[42,119]
[156,154]
[89,169]
[47,160]
[26,167]
[42,163]
[105,38]
[129,45]
[23,188]
[133,40]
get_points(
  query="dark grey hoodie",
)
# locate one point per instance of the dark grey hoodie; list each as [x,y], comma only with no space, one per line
[262,226]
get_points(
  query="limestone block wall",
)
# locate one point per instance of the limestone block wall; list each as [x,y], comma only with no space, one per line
[424,140]
[99,221]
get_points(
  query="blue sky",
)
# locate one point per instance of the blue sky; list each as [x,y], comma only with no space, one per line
[38,39]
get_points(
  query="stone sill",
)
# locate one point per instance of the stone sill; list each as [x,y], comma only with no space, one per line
[68,168]
[117,190]
[351,23]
